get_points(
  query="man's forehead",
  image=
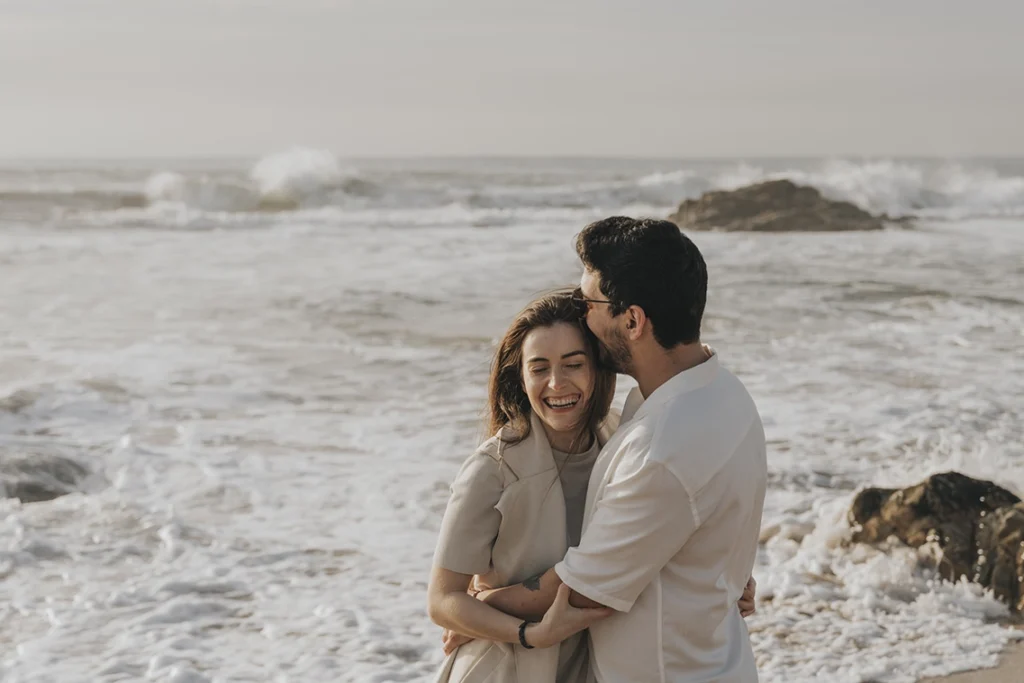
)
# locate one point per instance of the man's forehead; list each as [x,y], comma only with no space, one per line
[590,281]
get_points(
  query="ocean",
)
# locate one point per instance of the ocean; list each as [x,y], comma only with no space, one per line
[273,368]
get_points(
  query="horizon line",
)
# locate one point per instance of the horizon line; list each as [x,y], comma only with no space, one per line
[516,156]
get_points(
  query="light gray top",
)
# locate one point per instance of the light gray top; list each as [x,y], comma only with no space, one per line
[574,473]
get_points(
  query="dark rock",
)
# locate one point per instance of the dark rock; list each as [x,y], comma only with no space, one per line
[978,525]
[1000,536]
[32,478]
[772,206]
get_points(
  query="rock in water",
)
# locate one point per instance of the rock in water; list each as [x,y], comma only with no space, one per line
[772,206]
[978,525]
[1001,566]
[36,477]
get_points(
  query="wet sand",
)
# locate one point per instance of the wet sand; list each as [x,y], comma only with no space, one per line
[1009,670]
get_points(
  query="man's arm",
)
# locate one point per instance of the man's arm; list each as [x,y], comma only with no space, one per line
[451,607]
[532,598]
[643,518]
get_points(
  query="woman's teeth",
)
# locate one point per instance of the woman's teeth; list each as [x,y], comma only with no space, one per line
[568,402]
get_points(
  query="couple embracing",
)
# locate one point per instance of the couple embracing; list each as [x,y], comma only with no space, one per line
[583,545]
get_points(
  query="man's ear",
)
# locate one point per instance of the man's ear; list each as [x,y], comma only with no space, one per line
[636,322]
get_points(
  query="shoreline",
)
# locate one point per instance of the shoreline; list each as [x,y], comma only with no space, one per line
[1010,669]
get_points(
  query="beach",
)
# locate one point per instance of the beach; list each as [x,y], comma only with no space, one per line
[272,368]
[1008,670]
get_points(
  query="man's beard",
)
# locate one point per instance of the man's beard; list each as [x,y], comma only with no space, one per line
[615,354]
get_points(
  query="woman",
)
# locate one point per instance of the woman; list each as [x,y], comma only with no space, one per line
[517,503]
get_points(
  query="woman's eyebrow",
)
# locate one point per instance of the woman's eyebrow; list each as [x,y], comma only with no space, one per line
[538,359]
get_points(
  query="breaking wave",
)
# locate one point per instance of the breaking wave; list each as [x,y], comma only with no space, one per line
[296,179]
[951,191]
[304,179]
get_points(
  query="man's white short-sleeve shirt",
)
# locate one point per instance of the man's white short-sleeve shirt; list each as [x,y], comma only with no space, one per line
[670,533]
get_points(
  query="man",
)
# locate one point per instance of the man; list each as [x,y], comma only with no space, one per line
[675,500]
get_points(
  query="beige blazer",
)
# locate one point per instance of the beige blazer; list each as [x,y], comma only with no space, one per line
[531,539]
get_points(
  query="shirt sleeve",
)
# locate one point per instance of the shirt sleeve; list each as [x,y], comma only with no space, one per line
[471,521]
[640,522]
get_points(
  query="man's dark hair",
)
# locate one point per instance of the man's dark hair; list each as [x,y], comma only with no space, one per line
[651,264]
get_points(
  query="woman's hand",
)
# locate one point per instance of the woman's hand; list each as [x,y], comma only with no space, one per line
[746,602]
[452,640]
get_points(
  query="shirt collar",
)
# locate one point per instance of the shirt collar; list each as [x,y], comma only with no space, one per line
[696,377]
[634,399]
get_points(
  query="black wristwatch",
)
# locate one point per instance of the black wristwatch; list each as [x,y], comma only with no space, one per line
[522,635]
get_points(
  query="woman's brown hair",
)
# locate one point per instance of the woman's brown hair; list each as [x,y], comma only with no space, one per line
[507,402]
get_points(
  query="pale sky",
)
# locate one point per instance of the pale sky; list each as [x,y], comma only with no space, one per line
[680,78]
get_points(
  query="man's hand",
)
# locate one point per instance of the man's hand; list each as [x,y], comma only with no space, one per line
[563,620]
[746,603]
[452,640]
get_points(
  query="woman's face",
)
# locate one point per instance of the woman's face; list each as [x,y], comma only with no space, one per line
[558,374]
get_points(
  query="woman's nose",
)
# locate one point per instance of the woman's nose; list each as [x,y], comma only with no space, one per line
[557,379]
